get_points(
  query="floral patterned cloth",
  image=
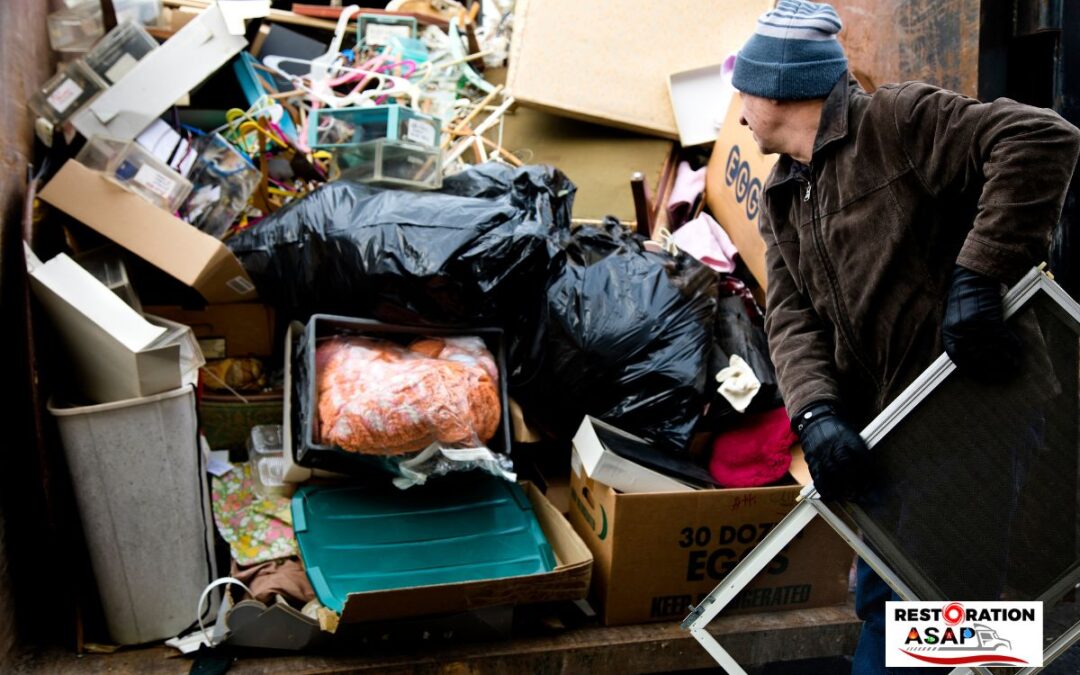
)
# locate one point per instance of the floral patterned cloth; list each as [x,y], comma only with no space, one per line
[257,528]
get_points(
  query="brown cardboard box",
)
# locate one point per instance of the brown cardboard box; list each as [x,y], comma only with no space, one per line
[599,160]
[568,581]
[609,63]
[242,328]
[157,236]
[659,552]
[733,188]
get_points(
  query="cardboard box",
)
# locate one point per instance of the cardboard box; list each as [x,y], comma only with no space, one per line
[612,63]
[568,581]
[734,183]
[700,99]
[602,464]
[115,353]
[160,238]
[599,160]
[657,553]
[240,329]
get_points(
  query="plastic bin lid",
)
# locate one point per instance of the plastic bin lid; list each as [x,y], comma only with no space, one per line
[369,537]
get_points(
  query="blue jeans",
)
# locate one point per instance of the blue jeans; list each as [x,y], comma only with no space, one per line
[871,594]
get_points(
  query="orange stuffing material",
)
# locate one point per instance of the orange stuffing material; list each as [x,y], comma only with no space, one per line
[379,398]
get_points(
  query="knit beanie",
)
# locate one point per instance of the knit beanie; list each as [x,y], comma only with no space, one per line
[793,54]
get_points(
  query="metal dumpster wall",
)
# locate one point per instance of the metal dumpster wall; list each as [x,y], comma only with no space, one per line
[897,40]
[26,59]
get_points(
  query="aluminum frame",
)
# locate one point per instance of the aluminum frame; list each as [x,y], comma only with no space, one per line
[810,506]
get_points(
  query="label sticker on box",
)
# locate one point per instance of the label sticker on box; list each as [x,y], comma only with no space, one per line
[64,95]
[155,181]
[379,34]
[240,285]
[119,69]
[420,132]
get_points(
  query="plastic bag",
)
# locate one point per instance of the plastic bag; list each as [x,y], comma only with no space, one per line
[378,397]
[412,405]
[466,254]
[626,339]
[740,331]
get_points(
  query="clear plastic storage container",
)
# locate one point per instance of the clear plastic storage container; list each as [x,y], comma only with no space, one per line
[392,164]
[343,127]
[115,54]
[75,29]
[73,86]
[223,180]
[265,454]
[141,172]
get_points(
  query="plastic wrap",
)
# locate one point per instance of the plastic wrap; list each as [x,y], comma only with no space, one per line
[415,402]
[626,338]
[381,398]
[468,253]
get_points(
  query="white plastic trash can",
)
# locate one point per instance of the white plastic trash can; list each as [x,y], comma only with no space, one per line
[141,488]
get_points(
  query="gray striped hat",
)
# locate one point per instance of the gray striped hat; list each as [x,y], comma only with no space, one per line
[793,54]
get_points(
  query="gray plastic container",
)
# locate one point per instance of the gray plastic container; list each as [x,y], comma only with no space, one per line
[141,489]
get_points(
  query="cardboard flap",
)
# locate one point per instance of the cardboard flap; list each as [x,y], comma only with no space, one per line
[163,240]
[603,70]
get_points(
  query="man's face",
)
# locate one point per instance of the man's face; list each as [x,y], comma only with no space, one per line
[763,117]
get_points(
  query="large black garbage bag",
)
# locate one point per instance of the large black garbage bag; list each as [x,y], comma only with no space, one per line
[626,337]
[740,330]
[466,254]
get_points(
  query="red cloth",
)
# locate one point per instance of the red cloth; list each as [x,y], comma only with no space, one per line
[757,452]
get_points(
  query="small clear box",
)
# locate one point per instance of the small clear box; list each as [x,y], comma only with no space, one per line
[75,29]
[223,180]
[118,52]
[144,12]
[73,86]
[141,172]
[392,164]
[265,454]
[98,152]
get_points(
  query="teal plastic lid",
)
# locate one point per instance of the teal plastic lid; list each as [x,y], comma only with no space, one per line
[372,537]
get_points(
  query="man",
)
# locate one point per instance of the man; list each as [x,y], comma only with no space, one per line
[893,222]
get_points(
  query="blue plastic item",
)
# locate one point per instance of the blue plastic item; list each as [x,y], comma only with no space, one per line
[348,127]
[358,538]
[254,88]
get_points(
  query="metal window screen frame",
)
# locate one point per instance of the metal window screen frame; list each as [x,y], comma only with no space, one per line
[844,518]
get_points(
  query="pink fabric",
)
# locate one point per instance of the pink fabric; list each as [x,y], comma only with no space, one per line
[758,452]
[688,188]
[704,239]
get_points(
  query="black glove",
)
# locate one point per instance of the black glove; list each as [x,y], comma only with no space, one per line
[974,331]
[838,458]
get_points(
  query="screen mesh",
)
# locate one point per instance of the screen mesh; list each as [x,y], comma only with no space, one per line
[976,493]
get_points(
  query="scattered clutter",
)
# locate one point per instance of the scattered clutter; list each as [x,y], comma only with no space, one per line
[339,283]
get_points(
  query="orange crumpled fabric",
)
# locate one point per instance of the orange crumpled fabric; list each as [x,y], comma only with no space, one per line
[378,397]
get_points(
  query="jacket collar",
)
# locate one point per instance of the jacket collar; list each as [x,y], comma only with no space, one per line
[832,127]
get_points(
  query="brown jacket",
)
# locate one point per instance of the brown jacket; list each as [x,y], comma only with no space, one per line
[903,184]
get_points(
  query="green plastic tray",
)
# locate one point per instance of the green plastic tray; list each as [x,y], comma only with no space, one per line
[371,537]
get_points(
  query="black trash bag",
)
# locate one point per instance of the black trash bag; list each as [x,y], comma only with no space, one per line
[739,330]
[463,255]
[625,338]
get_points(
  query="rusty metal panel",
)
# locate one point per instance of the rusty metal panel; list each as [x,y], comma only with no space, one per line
[26,59]
[936,41]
